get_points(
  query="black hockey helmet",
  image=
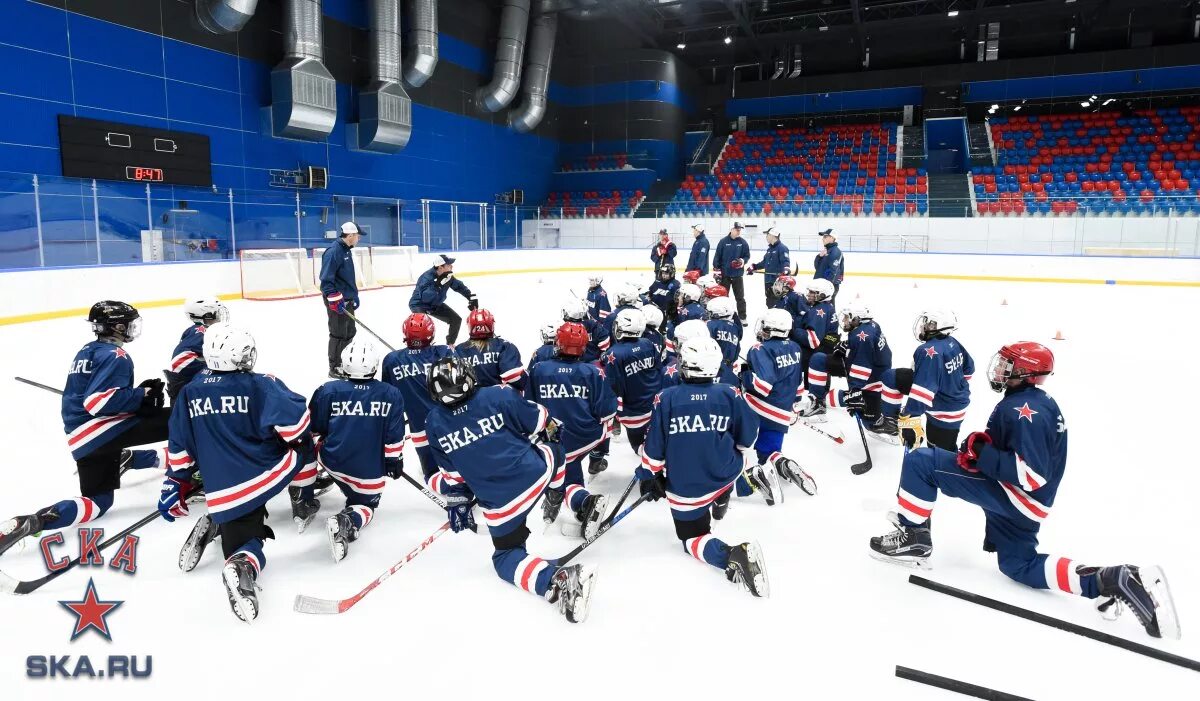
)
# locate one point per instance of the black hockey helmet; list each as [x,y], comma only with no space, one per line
[450,381]
[115,320]
[666,272]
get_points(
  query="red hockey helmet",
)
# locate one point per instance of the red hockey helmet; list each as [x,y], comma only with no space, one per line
[1025,360]
[691,276]
[783,284]
[418,330]
[715,291]
[481,324]
[571,339]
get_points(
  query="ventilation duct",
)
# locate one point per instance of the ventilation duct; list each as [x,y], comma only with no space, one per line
[780,64]
[537,74]
[422,55]
[303,93]
[510,49]
[225,16]
[384,108]
[795,62]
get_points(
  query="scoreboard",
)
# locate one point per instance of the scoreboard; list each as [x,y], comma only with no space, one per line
[91,148]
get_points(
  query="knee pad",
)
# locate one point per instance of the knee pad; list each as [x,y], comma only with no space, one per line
[356,499]
[769,441]
[513,539]
[818,362]
[687,529]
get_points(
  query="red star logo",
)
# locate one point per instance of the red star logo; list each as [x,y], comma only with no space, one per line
[120,353]
[657,398]
[612,358]
[931,351]
[90,612]
[862,335]
[602,375]
[821,313]
[603,293]
[201,329]
[1025,412]
[671,370]
[737,391]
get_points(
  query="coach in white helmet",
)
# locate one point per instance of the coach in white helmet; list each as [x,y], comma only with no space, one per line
[340,291]
[429,295]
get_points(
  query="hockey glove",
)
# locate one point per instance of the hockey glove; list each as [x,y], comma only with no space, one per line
[393,467]
[473,303]
[550,434]
[154,399]
[737,263]
[749,269]
[337,305]
[654,488]
[970,450]
[854,401]
[842,349]
[717,276]
[460,511]
[912,431]
[172,500]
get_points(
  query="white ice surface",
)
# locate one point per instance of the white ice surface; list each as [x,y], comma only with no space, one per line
[662,624]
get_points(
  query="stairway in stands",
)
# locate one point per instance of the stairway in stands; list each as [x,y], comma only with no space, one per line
[949,195]
[656,200]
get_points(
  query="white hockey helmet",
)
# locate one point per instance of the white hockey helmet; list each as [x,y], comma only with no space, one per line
[654,316]
[360,360]
[692,328]
[628,293]
[934,322]
[720,308]
[228,348]
[854,314]
[206,310]
[689,293]
[706,281]
[822,288]
[630,323]
[574,309]
[700,359]
[550,331]
[595,279]
[775,323]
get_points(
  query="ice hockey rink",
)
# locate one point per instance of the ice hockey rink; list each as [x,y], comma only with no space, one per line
[662,625]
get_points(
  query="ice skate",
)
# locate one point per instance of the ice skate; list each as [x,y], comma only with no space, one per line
[341,531]
[240,579]
[303,510]
[616,429]
[765,481]
[591,514]
[597,464]
[203,533]
[748,568]
[1144,591]
[551,506]
[907,545]
[15,529]
[884,429]
[791,471]
[810,409]
[571,591]
[324,482]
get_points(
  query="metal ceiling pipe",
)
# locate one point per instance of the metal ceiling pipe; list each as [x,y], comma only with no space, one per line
[537,74]
[225,16]
[510,50]
[795,73]
[780,63]
[303,93]
[384,108]
[422,56]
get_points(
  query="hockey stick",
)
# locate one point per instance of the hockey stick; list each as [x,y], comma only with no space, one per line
[1045,620]
[604,528]
[368,330]
[8,585]
[620,502]
[865,466]
[835,438]
[960,687]
[424,490]
[48,388]
[312,604]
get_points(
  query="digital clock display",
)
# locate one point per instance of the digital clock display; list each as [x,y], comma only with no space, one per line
[151,175]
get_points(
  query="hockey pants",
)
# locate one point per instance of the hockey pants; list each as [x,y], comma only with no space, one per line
[822,366]
[1013,519]
[897,383]
[770,440]
[246,534]
[694,529]
[512,562]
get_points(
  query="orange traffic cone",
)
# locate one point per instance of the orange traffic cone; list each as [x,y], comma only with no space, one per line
[1058,336]
[1004,302]
[914,285]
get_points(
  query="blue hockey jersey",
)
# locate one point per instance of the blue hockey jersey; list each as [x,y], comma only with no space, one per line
[546,351]
[359,424]
[633,370]
[653,336]
[99,399]
[599,340]
[697,434]
[597,303]
[728,335]
[771,380]
[406,370]
[188,357]
[236,426]
[662,294]
[577,395]
[941,370]
[611,319]
[818,325]
[484,443]
[689,311]
[869,356]
[1028,454]
[670,376]
[498,362]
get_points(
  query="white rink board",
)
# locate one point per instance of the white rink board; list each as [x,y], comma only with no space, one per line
[662,625]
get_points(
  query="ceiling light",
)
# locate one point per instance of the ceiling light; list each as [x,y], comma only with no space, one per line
[728,40]
[681,46]
[952,13]
[995,107]
[1109,101]
[1017,108]
[824,27]
[1085,103]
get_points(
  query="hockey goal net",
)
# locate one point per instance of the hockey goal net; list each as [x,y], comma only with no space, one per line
[277,273]
[364,269]
[394,266]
